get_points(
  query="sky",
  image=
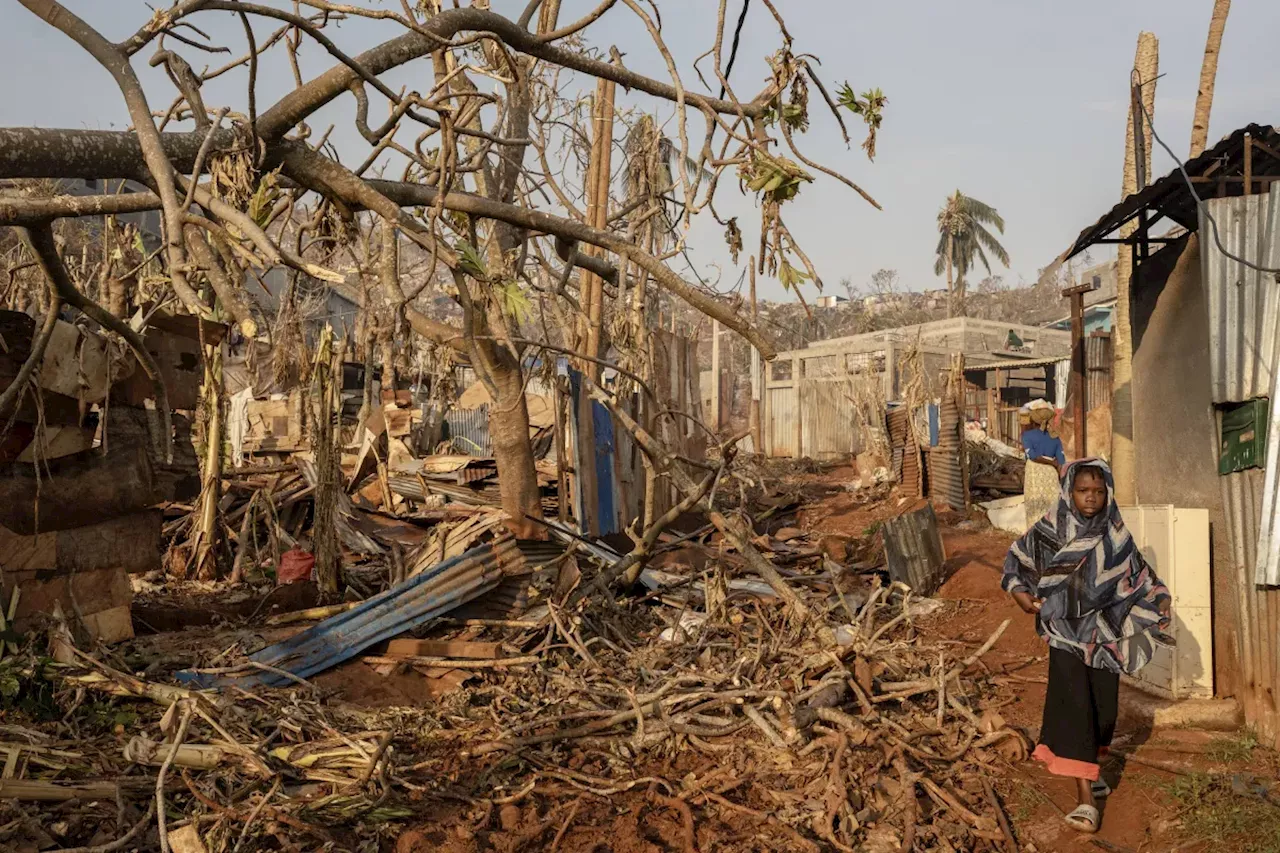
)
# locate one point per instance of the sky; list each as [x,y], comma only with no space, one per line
[1019,103]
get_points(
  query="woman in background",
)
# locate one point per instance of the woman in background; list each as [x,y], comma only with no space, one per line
[1045,458]
[1100,607]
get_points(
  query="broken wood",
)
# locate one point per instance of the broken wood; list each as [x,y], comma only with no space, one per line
[451,663]
[54,792]
[313,614]
[141,750]
[444,649]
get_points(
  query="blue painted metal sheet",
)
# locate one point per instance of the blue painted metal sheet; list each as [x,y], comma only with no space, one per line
[606,447]
[424,596]
[602,420]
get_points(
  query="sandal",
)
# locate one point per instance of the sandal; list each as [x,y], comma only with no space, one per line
[1083,819]
[1101,790]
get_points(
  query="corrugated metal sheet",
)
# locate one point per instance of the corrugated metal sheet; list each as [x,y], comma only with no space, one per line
[1244,336]
[946,477]
[1097,359]
[826,417]
[469,430]
[913,550]
[1244,305]
[424,596]
[906,451]
[1244,311]
[782,422]
[1258,608]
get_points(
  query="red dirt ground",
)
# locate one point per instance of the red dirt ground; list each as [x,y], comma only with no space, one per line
[1139,817]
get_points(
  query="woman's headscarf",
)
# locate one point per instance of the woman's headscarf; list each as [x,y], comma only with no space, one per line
[1101,599]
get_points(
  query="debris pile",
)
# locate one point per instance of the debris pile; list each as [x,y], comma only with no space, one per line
[699,694]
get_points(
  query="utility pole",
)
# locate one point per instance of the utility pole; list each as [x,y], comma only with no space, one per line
[1078,365]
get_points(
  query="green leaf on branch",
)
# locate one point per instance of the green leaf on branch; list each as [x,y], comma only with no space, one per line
[513,301]
[870,106]
[776,178]
[470,261]
[790,276]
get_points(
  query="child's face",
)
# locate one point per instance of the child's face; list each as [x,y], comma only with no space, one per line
[1089,493]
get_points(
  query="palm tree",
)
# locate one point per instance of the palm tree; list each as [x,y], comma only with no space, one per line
[1208,73]
[963,237]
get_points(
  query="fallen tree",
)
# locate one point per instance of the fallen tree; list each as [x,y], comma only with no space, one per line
[267,191]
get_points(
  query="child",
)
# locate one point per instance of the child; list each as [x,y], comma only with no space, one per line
[1100,606]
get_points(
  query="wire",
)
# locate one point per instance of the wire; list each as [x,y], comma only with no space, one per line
[733,50]
[1201,205]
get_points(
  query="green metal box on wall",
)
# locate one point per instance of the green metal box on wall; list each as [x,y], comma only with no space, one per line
[1243,436]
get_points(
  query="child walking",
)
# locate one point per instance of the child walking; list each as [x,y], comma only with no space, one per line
[1100,607]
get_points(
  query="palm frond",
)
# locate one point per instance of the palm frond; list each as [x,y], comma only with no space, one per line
[981,256]
[986,239]
[981,212]
[670,152]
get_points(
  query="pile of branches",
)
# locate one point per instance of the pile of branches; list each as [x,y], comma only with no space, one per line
[741,714]
[882,741]
[136,764]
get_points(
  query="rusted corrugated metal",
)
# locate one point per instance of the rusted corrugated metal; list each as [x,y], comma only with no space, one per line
[946,476]
[1097,356]
[1244,320]
[906,451]
[913,550]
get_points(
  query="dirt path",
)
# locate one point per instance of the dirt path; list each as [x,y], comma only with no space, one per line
[1149,810]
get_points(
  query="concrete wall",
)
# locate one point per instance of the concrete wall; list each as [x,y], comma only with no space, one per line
[1175,426]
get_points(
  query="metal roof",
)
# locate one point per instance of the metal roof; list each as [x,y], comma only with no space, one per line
[1170,197]
[1018,363]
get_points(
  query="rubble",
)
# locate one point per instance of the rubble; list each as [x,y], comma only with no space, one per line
[846,729]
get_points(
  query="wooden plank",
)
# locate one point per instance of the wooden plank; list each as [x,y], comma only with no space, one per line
[470,650]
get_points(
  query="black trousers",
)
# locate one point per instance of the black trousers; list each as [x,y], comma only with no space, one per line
[1080,712]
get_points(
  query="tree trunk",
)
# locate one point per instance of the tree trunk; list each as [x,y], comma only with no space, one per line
[512,449]
[1147,62]
[208,534]
[1208,74]
[951,294]
[326,445]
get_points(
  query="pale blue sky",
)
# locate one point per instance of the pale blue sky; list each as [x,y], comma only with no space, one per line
[1020,103]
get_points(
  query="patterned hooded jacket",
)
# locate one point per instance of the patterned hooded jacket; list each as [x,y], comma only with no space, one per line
[1100,599]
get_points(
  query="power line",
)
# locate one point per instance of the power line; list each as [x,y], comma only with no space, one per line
[1201,206]
[733,50]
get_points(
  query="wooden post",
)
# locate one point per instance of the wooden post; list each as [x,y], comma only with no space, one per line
[715,375]
[797,380]
[1248,164]
[592,292]
[1078,384]
[890,385]
[755,415]
[995,410]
